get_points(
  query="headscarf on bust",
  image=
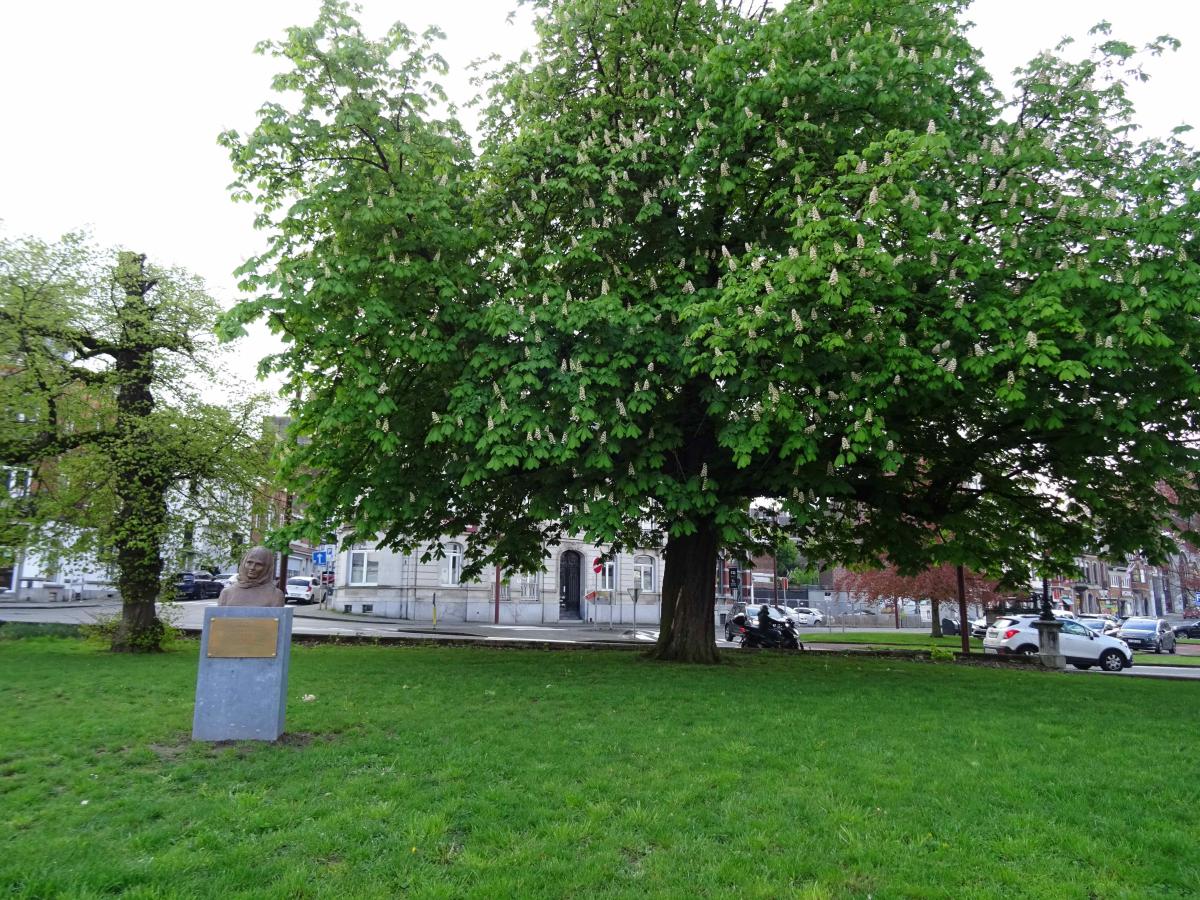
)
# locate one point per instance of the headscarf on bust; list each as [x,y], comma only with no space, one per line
[257,591]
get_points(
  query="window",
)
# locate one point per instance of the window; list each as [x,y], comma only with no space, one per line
[528,586]
[364,568]
[607,579]
[643,573]
[17,481]
[368,607]
[452,564]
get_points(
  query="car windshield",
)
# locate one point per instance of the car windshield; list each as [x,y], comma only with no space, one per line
[1140,626]
[303,582]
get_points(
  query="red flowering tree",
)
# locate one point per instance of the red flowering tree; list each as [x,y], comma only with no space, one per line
[937,585]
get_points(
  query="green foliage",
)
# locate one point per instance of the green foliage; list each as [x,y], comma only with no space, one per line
[704,256]
[941,654]
[116,450]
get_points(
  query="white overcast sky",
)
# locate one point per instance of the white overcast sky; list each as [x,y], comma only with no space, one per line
[111,108]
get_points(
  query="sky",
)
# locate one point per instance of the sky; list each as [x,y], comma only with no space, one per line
[111,110]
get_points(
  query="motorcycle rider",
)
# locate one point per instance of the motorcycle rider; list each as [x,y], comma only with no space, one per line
[765,623]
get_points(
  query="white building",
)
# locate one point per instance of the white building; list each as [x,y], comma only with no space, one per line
[574,586]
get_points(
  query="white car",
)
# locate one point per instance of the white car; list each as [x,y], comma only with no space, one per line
[226,578]
[1100,623]
[302,589]
[804,615]
[1082,647]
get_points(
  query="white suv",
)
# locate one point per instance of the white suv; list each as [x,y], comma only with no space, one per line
[1016,635]
[805,615]
[304,589]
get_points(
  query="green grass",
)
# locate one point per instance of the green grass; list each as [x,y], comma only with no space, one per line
[907,639]
[474,772]
[1142,658]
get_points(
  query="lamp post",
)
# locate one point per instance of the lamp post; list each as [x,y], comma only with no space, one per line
[1048,629]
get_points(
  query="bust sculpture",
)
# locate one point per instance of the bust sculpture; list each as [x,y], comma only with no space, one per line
[255,582]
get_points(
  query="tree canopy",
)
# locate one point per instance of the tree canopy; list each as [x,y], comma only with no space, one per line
[101,357]
[710,252]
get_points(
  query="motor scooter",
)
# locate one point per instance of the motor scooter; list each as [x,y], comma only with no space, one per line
[778,636]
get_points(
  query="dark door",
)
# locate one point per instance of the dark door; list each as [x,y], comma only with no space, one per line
[569,585]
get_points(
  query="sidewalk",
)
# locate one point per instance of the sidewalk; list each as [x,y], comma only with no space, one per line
[57,604]
[576,632]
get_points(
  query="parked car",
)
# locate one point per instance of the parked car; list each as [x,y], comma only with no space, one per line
[226,578]
[197,586]
[1096,623]
[979,627]
[806,615]
[1148,634]
[1188,630]
[304,589]
[1082,647]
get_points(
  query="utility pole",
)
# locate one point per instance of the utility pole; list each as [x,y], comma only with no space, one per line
[775,561]
[283,557]
[962,608]
[497,618]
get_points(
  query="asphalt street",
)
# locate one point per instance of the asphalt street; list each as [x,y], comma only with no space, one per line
[312,621]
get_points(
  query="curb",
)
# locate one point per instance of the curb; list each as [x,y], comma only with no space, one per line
[446,639]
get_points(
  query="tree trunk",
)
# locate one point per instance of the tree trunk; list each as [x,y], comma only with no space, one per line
[936,610]
[139,475]
[687,632]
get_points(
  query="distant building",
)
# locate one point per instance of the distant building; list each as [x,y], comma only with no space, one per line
[575,585]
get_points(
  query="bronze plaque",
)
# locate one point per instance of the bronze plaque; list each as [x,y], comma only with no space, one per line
[242,638]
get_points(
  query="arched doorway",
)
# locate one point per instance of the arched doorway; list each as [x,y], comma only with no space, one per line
[570,584]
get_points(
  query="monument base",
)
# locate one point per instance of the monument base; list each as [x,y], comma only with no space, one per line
[241,687]
[1049,648]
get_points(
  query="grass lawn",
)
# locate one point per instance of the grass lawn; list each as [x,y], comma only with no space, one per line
[908,639]
[475,772]
[911,641]
[1149,659]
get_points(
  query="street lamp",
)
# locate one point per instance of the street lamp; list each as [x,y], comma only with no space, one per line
[1047,614]
[1048,629]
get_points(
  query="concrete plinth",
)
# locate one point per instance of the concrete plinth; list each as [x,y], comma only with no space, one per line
[241,687]
[1050,652]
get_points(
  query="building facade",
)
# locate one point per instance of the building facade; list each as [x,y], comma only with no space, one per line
[576,585]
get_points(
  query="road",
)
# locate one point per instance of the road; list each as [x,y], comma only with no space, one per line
[189,615]
[316,622]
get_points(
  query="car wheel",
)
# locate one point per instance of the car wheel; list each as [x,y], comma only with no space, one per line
[1028,650]
[1112,661]
[1084,666]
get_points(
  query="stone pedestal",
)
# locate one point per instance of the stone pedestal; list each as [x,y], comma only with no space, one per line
[241,688]
[1050,654]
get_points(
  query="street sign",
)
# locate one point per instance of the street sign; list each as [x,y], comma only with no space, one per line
[320,558]
[597,566]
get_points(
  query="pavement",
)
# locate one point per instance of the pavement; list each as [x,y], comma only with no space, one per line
[312,622]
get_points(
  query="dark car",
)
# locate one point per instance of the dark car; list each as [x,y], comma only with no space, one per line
[1188,630]
[1148,634]
[197,586]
